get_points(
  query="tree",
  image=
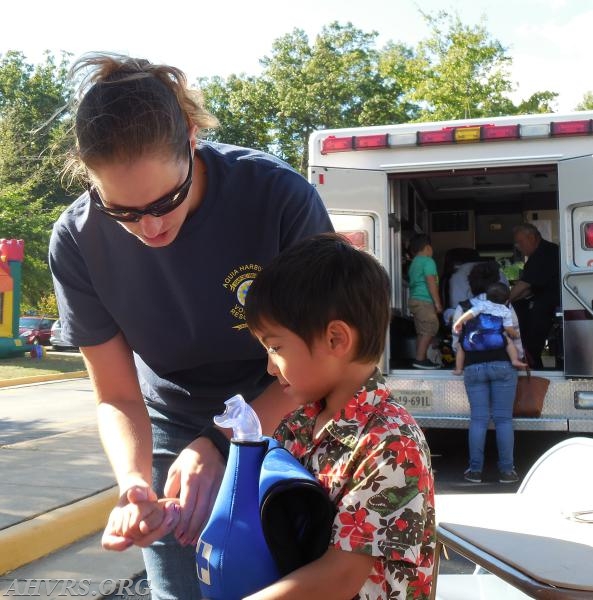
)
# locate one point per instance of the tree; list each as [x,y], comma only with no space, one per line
[460,72]
[31,137]
[586,103]
[540,102]
[241,104]
[48,305]
[334,82]
[323,85]
[391,102]
[31,194]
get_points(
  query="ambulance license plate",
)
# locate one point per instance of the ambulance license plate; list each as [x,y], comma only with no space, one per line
[414,400]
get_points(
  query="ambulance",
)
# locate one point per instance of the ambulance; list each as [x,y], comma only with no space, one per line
[466,184]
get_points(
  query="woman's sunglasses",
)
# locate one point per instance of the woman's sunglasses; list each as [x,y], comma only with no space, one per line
[158,208]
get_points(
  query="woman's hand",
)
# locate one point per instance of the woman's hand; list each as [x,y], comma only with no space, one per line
[139,519]
[195,476]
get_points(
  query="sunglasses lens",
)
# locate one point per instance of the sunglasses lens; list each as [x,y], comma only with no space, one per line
[114,213]
[166,205]
[158,208]
[125,217]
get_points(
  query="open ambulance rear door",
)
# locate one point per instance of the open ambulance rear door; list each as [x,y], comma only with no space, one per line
[575,197]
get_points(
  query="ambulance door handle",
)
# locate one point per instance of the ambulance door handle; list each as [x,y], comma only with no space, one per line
[394,223]
[574,291]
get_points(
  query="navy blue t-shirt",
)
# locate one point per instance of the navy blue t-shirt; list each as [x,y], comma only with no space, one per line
[180,307]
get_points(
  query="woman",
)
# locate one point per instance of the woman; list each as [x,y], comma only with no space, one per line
[490,383]
[151,266]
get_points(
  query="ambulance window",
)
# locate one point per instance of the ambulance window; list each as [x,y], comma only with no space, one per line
[358,228]
[359,239]
[588,236]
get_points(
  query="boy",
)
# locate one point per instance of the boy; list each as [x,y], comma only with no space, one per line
[321,309]
[496,304]
[424,303]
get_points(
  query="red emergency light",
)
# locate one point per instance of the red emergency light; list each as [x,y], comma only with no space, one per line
[570,127]
[588,236]
[443,136]
[369,142]
[500,132]
[337,144]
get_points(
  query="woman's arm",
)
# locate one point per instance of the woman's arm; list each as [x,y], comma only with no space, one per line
[124,425]
[337,575]
[126,435]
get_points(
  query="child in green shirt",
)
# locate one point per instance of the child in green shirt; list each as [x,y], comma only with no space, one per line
[424,303]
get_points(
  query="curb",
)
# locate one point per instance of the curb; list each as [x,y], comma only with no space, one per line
[30,540]
[42,378]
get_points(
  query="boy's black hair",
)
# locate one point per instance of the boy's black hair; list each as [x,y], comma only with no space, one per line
[498,292]
[417,243]
[318,280]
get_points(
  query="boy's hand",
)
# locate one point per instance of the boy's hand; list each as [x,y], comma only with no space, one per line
[139,519]
[456,327]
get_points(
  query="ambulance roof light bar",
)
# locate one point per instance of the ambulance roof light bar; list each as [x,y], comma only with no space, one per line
[456,135]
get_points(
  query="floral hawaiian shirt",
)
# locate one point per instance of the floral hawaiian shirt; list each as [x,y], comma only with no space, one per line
[373,460]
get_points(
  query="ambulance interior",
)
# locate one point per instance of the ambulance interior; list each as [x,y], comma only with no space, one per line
[469,216]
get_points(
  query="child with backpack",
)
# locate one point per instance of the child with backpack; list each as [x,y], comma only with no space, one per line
[488,325]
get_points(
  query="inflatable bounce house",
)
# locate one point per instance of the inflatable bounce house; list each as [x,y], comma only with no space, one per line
[12,253]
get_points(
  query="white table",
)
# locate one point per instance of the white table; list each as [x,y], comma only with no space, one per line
[529,542]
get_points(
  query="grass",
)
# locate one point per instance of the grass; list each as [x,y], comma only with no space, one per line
[50,364]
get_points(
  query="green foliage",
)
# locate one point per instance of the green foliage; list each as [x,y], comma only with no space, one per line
[241,105]
[30,138]
[460,72]
[540,102]
[586,103]
[31,144]
[48,305]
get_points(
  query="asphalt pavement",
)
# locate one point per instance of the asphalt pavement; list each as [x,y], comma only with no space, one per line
[57,491]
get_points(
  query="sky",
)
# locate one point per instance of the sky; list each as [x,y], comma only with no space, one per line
[548,40]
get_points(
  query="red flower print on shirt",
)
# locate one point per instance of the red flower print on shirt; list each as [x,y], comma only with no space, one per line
[421,586]
[406,450]
[356,527]
[424,477]
[297,449]
[378,573]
